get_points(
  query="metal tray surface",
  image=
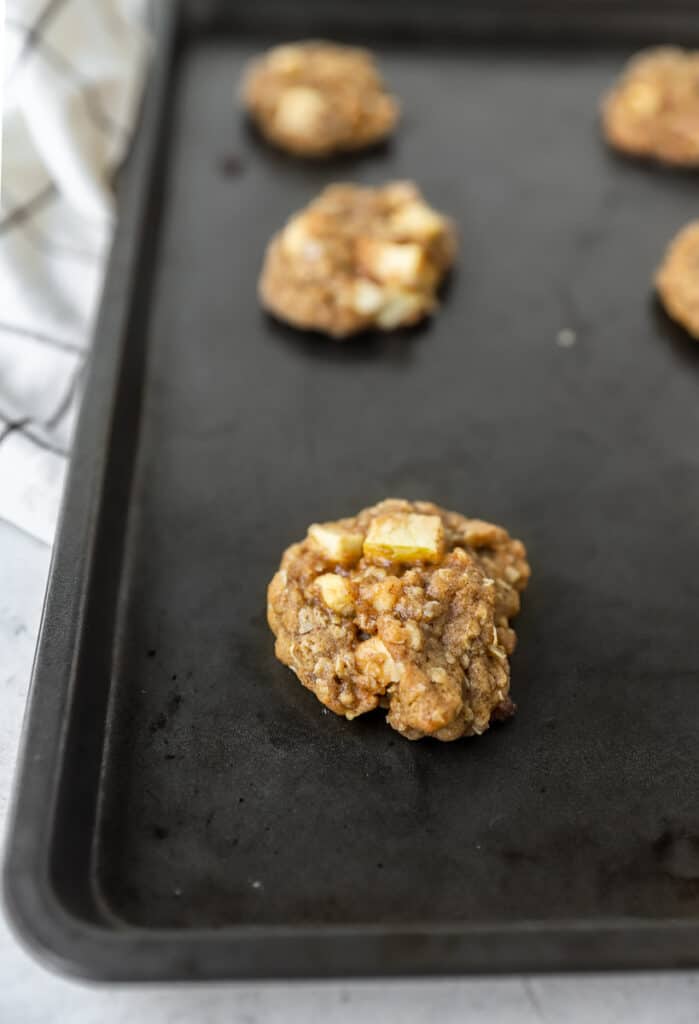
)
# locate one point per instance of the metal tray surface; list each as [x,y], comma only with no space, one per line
[184,808]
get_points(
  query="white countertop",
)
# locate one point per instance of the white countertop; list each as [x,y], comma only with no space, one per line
[30,995]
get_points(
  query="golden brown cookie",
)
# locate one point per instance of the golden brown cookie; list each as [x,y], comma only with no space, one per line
[358,258]
[405,606]
[317,98]
[677,278]
[653,110]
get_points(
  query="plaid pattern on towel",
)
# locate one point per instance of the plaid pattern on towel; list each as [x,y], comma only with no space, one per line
[72,77]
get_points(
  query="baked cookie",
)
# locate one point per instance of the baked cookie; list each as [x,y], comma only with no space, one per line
[317,98]
[653,110]
[405,606]
[358,258]
[677,278]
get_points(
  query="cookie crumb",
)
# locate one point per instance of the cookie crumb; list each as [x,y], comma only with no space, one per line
[566,337]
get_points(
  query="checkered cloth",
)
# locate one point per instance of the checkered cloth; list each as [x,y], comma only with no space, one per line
[72,73]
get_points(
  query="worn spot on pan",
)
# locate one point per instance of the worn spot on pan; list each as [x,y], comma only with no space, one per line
[671,861]
[678,855]
[158,723]
[231,165]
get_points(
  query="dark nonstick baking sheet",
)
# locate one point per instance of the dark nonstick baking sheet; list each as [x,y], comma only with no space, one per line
[184,808]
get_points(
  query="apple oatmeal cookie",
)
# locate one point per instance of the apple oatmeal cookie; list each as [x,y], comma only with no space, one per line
[405,606]
[317,98]
[358,258]
[653,110]
[677,279]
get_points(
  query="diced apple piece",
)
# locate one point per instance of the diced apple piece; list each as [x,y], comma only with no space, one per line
[286,59]
[385,594]
[299,110]
[643,99]
[374,659]
[299,241]
[296,236]
[336,593]
[337,544]
[405,537]
[367,298]
[400,263]
[401,308]
[417,220]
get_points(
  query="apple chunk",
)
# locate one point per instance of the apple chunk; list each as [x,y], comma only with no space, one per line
[336,593]
[300,110]
[417,220]
[405,537]
[337,544]
[400,263]
[373,659]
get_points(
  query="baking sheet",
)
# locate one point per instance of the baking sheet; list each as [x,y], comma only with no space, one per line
[209,818]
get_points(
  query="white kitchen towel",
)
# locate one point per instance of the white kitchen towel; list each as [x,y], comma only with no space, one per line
[72,79]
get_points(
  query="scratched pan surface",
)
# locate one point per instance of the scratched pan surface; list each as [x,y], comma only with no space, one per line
[185,808]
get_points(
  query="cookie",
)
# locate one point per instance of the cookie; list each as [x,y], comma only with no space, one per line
[677,278]
[358,258]
[407,607]
[653,110]
[317,98]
